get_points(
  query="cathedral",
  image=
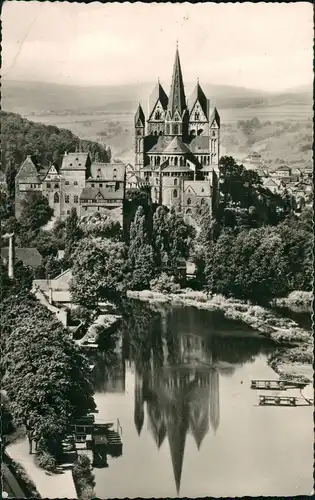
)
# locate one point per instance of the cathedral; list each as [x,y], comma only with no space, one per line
[177,147]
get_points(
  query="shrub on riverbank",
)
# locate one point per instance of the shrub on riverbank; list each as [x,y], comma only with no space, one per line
[164,284]
[297,299]
[83,478]
[46,461]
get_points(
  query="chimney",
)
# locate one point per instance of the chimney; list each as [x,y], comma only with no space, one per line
[11,256]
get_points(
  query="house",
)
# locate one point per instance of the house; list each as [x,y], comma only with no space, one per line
[283,172]
[57,290]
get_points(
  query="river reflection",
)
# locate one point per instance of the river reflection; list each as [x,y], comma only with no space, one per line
[167,366]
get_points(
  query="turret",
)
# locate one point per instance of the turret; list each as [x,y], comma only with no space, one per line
[139,137]
[157,110]
[198,112]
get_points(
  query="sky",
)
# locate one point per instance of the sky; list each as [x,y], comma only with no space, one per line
[260,46]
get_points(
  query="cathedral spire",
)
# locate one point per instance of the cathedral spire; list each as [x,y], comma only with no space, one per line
[177,98]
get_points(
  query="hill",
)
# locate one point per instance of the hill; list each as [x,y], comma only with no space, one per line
[21,137]
[106,114]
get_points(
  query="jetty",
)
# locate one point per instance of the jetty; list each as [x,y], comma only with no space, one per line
[273,385]
[277,400]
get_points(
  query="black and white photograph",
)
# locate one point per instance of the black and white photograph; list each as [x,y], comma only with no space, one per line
[157,250]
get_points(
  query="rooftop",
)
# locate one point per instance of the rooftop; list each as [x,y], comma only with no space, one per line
[71,161]
[29,256]
[107,171]
[101,194]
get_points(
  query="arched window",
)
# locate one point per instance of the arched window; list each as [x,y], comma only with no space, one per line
[138,132]
[188,211]
[56,198]
[175,161]
[197,116]
[193,133]
[157,180]
[175,182]
[213,133]
[181,161]
[158,115]
[167,128]
[189,201]
[175,129]
[158,160]
[161,132]
[155,133]
[200,131]
[175,194]
[202,201]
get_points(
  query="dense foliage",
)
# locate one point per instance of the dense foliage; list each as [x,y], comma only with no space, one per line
[21,137]
[83,477]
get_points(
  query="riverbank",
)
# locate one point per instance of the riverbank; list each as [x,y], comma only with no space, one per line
[294,357]
[298,301]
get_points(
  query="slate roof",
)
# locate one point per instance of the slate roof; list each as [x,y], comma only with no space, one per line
[139,115]
[28,171]
[198,95]
[215,116]
[106,171]
[199,144]
[72,161]
[29,256]
[177,100]
[280,168]
[90,193]
[158,94]
[176,146]
[200,188]
[160,145]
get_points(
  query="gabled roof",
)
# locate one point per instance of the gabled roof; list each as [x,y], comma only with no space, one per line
[139,116]
[158,94]
[28,171]
[29,256]
[177,98]
[160,145]
[198,95]
[90,193]
[107,171]
[280,168]
[74,161]
[200,188]
[176,146]
[214,117]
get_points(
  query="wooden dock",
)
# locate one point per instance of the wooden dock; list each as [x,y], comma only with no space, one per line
[265,399]
[273,385]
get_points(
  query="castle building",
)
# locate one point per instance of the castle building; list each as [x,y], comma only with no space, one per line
[177,147]
[80,183]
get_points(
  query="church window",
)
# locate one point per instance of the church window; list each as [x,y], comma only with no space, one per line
[138,132]
[160,133]
[167,128]
[197,116]
[175,161]
[157,180]
[158,115]
[67,198]
[76,199]
[175,182]
[158,160]
[56,198]
[101,185]
[202,190]
[213,133]
[175,129]
[48,185]
[193,132]
[188,201]
[200,131]
[202,202]
[175,194]
[155,133]
[92,185]
[75,183]
[188,211]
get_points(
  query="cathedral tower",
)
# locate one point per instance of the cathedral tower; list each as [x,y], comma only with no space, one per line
[176,116]
[139,138]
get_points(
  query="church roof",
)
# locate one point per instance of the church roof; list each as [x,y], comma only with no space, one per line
[160,145]
[74,161]
[215,116]
[177,431]
[177,100]
[198,95]
[28,171]
[139,115]
[199,144]
[176,146]
[158,94]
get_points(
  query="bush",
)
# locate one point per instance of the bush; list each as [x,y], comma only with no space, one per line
[46,461]
[83,478]
[164,284]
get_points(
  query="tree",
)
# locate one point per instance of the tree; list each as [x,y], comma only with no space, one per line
[48,385]
[140,252]
[73,233]
[100,225]
[36,212]
[99,270]
[10,174]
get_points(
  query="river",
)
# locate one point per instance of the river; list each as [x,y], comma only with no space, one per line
[179,382]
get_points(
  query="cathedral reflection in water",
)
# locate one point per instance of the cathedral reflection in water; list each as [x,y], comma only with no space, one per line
[180,397]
